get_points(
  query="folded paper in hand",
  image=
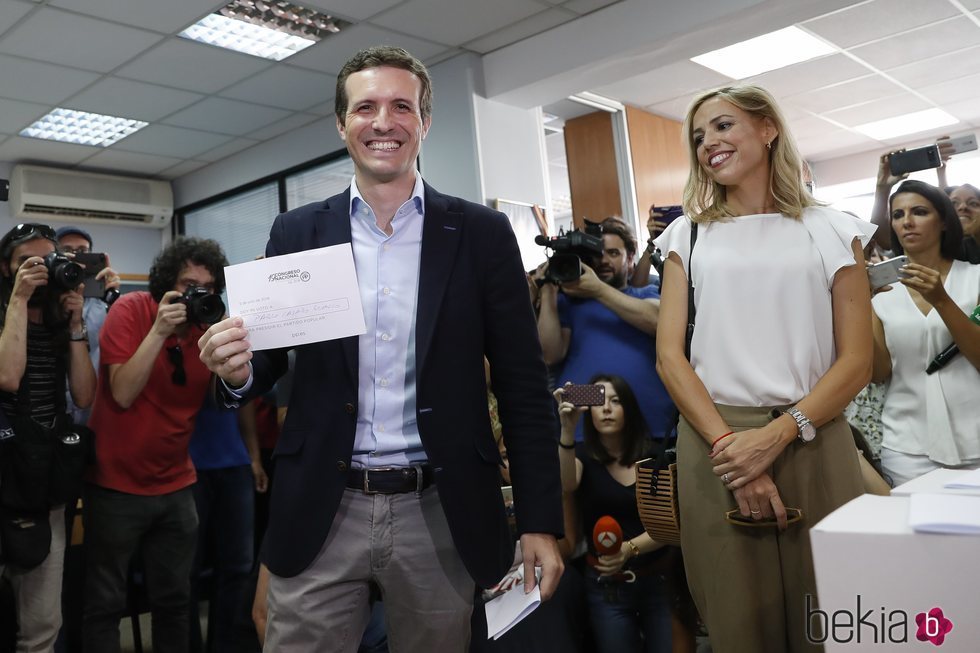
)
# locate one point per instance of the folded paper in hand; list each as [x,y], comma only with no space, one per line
[944,513]
[507,610]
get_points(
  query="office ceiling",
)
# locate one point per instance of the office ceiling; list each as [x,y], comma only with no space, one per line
[122,57]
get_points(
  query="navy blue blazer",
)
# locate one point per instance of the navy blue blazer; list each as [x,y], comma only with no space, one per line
[472,302]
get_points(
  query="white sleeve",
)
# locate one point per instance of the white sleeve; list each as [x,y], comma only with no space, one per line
[676,238]
[832,233]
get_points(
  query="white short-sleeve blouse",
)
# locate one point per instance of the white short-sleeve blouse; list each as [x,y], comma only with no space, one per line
[935,415]
[764,333]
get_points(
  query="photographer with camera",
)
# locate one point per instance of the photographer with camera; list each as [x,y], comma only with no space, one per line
[104,291]
[42,343]
[139,498]
[598,322]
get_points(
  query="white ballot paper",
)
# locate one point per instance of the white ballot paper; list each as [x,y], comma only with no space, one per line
[944,513]
[296,299]
[967,481]
[507,610]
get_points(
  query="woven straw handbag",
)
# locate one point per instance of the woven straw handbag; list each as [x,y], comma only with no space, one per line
[656,499]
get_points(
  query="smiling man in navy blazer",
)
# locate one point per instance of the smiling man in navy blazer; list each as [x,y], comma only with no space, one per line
[386,470]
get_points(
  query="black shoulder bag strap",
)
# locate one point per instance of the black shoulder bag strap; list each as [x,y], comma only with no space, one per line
[669,441]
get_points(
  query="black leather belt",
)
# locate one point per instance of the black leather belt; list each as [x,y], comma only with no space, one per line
[391,480]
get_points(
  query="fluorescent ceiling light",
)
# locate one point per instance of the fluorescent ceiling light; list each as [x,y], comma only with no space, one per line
[272,29]
[911,123]
[82,128]
[251,39]
[771,51]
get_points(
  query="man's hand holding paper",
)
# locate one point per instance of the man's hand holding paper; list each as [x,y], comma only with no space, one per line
[284,301]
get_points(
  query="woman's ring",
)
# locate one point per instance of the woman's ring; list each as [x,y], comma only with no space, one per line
[756,512]
[724,478]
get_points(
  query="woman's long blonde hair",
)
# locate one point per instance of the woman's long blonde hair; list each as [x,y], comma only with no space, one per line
[705,200]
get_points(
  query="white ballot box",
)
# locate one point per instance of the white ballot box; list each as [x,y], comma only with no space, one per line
[883,587]
[935,482]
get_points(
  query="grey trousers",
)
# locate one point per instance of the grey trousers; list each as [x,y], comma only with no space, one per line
[37,593]
[400,542]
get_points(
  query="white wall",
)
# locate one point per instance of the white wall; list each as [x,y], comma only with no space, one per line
[451,152]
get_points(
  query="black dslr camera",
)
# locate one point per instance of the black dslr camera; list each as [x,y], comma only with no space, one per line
[63,272]
[203,307]
[570,250]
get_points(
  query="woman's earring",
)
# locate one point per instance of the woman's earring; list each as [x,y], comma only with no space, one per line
[768,145]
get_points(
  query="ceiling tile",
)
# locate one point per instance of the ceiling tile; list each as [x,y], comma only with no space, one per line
[193,66]
[674,109]
[943,68]
[520,30]
[289,123]
[587,6]
[832,140]
[229,148]
[33,81]
[11,11]
[130,99]
[64,38]
[870,21]
[809,126]
[970,4]
[663,83]
[171,141]
[880,109]
[117,161]
[181,169]
[18,149]
[837,96]
[455,22]
[286,87]
[15,115]
[167,17]
[968,111]
[957,90]
[947,36]
[330,55]
[352,9]
[807,75]
[226,116]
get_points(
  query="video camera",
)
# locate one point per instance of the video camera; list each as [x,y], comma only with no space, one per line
[570,250]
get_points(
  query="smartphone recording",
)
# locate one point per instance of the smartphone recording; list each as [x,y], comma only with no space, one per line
[921,158]
[668,213]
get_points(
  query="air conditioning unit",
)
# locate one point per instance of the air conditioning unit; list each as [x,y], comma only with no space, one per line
[38,194]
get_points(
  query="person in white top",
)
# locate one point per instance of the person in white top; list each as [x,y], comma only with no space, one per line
[781,344]
[929,420]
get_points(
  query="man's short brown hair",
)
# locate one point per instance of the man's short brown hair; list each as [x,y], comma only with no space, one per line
[383,55]
[618,227]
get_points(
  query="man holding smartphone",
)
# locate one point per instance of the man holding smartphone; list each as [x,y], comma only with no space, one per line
[600,323]
[75,241]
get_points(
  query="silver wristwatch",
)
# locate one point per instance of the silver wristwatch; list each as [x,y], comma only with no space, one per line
[805,430]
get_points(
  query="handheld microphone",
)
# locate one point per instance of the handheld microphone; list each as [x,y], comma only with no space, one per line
[607,536]
[946,355]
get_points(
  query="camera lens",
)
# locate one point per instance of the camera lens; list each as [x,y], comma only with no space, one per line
[202,306]
[63,272]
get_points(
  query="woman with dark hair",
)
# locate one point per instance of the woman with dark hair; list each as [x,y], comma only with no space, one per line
[966,201]
[627,591]
[929,420]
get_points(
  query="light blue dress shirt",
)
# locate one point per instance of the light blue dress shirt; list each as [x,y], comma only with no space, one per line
[387,432]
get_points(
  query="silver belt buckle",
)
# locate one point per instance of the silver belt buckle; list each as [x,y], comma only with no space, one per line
[418,479]
[367,479]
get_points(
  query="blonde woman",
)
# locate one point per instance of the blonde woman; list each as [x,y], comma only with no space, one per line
[782,342]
